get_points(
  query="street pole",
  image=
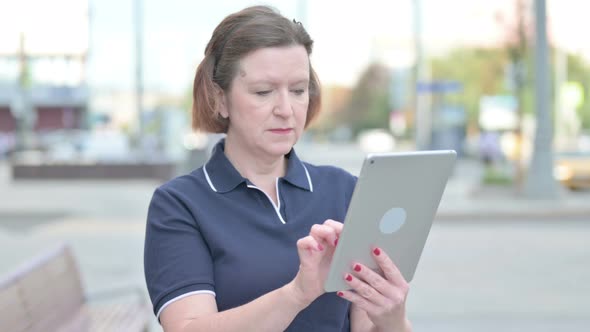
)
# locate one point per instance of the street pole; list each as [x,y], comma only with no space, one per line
[422,117]
[540,182]
[21,104]
[138,13]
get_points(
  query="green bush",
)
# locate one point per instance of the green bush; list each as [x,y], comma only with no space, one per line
[493,176]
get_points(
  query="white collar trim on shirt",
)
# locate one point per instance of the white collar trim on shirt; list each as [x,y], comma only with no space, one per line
[308,178]
[215,190]
[208,179]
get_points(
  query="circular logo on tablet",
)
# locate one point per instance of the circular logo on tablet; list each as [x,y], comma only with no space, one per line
[392,220]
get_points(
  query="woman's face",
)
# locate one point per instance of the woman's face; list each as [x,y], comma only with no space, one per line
[267,101]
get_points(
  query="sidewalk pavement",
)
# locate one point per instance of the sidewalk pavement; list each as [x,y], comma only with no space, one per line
[467,199]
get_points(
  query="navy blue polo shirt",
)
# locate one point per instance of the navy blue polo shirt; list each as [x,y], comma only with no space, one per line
[213,231]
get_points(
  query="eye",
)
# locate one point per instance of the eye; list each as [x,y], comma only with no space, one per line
[263,93]
[299,92]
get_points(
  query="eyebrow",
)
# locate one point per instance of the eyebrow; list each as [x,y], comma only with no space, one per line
[304,80]
[265,81]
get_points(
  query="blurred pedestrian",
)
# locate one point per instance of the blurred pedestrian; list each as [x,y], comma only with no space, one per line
[489,148]
[244,243]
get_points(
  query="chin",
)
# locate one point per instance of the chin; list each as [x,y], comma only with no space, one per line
[281,148]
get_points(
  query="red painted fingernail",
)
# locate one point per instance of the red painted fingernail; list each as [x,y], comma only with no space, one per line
[348,277]
[377,252]
[336,242]
[340,294]
[320,247]
[357,268]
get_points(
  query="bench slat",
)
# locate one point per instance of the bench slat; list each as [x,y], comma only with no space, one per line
[52,291]
[46,294]
[119,317]
[13,312]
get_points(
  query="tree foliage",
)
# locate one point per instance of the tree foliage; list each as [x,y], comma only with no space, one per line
[579,71]
[369,103]
[480,71]
[485,72]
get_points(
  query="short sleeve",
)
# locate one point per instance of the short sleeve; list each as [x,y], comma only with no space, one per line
[177,260]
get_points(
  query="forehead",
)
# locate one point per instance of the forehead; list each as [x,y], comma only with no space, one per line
[275,64]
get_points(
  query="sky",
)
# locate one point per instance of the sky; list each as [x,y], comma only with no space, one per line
[348,34]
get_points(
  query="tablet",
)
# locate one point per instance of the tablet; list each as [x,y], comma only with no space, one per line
[392,207]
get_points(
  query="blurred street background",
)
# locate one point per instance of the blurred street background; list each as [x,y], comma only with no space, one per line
[95,101]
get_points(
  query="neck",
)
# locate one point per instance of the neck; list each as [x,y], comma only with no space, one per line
[259,168]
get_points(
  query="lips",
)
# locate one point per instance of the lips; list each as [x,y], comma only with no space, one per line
[281,131]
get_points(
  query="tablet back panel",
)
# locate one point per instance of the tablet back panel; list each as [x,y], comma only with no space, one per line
[392,207]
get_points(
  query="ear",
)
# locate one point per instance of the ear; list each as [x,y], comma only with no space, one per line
[222,108]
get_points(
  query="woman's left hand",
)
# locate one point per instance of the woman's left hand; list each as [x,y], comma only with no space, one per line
[383,298]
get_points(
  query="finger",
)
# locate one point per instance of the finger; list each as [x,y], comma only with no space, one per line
[307,245]
[336,225]
[324,234]
[390,270]
[365,291]
[373,279]
[360,301]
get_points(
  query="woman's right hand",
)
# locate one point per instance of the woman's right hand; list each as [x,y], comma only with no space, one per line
[315,255]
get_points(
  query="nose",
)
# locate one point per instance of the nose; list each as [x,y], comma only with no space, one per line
[283,106]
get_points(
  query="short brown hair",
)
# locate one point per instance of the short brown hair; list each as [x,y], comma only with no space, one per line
[236,36]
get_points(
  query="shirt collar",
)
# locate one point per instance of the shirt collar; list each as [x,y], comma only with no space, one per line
[297,173]
[223,177]
[219,171]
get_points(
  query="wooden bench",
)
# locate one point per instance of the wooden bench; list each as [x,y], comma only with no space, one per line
[46,294]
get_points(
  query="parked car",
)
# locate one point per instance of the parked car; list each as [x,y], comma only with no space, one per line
[572,169]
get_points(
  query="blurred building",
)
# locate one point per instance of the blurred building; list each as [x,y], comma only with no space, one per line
[43,61]
[53,106]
